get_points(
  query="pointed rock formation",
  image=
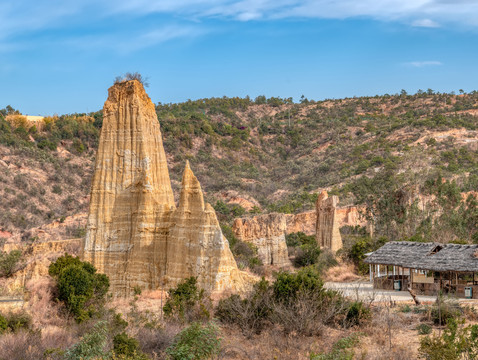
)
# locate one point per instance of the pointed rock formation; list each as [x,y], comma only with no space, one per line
[196,245]
[135,235]
[267,233]
[327,225]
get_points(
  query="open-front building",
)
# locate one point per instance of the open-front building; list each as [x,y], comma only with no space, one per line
[426,268]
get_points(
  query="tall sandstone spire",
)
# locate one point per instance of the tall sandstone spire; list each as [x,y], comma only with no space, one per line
[135,235]
[327,225]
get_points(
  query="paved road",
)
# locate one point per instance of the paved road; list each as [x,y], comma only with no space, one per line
[364,291]
[7,302]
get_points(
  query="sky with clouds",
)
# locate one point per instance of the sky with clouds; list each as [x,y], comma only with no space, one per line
[60,56]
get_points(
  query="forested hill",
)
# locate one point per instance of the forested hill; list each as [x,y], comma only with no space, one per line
[412,159]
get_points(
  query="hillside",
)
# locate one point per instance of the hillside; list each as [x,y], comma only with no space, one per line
[411,159]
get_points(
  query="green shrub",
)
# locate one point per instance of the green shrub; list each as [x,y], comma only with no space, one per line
[81,289]
[299,238]
[456,342]
[187,301]
[3,324]
[196,342]
[287,285]
[91,346]
[8,262]
[17,320]
[356,314]
[306,255]
[424,329]
[127,347]
[56,189]
[357,252]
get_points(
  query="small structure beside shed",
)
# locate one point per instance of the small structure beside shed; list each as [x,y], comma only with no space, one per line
[425,268]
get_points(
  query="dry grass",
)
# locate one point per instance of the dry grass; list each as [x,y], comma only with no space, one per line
[343,272]
[41,305]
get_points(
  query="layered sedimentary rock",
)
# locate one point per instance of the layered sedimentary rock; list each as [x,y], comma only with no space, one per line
[327,228]
[267,233]
[36,258]
[196,245]
[135,234]
[302,222]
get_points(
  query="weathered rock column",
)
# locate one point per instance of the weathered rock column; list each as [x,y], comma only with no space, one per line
[266,232]
[327,226]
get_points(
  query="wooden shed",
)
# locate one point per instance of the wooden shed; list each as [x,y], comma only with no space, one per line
[425,268]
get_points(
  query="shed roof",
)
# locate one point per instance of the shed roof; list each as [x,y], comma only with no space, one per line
[400,253]
[427,256]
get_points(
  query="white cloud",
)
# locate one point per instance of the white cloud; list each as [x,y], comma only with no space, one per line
[26,17]
[126,43]
[427,23]
[419,64]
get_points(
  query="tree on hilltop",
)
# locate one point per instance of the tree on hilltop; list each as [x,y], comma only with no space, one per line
[132,76]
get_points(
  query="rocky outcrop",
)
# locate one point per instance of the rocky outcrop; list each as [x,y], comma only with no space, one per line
[327,228]
[302,222]
[35,260]
[196,245]
[233,197]
[267,233]
[135,234]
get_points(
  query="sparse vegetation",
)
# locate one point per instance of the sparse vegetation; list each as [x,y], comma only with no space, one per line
[9,262]
[187,301]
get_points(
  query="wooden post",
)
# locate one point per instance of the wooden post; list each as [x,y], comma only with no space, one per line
[370,272]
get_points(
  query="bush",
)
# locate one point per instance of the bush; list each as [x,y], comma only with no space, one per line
[424,329]
[56,189]
[91,346]
[325,261]
[307,255]
[18,320]
[14,321]
[299,238]
[358,250]
[357,313]
[127,347]
[456,342]
[187,301]
[341,350]
[3,324]
[9,262]
[196,342]
[445,310]
[287,285]
[80,288]
[297,302]
[251,314]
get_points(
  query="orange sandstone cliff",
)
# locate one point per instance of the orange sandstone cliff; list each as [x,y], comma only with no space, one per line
[267,232]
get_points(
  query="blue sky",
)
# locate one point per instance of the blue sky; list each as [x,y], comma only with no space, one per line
[60,56]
